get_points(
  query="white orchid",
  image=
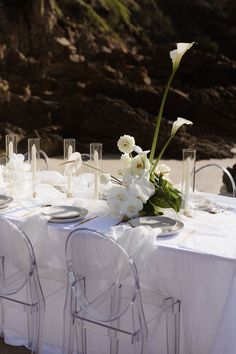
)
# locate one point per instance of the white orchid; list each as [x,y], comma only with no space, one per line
[142,187]
[128,178]
[125,160]
[177,54]
[126,144]
[118,193]
[178,123]
[139,164]
[131,207]
[163,170]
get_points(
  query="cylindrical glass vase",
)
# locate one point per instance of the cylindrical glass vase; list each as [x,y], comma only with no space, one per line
[69,147]
[11,145]
[33,156]
[96,163]
[188,175]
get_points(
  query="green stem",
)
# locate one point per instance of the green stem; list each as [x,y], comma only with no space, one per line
[161,153]
[158,122]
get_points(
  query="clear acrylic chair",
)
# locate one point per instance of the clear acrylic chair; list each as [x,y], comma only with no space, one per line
[20,288]
[104,297]
[222,176]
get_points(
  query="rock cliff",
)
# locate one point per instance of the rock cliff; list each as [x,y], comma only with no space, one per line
[96,69]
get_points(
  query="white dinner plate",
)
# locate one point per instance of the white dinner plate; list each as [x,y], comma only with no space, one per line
[64,213]
[5,199]
[172,231]
[165,226]
[162,222]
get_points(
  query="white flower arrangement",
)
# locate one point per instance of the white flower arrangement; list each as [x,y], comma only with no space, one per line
[145,187]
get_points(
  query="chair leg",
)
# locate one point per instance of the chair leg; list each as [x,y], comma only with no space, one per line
[173,326]
[114,345]
[35,328]
[81,338]
[1,320]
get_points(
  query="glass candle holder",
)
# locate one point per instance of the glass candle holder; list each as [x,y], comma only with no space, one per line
[96,163]
[33,156]
[188,175]
[69,147]
[11,145]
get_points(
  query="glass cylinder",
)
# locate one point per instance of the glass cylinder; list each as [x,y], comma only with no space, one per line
[96,163]
[188,175]
[33,156]
[11,145]
[69,147]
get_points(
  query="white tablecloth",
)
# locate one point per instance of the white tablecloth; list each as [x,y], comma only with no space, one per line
[197,266]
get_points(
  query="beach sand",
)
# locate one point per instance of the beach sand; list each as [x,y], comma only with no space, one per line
[207,180]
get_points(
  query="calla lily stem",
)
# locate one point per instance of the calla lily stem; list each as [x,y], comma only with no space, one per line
[158,122]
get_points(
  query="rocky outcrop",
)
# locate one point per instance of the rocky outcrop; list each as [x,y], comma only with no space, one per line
[94,72]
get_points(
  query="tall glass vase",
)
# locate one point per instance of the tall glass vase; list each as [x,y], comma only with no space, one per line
[11,145]
[34,155]
[188,175]
[69,149]
[96,163]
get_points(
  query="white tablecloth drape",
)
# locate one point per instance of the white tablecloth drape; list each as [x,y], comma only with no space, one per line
[197,266]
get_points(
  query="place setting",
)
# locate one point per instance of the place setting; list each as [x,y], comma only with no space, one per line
[63,213]
[164,226]
[5,201]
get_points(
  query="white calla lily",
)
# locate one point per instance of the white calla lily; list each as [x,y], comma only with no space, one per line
[177,54]
[178,123]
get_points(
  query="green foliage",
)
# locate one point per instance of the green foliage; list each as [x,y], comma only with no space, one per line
[166,196]
[119,10]
[93,16]
[56,8]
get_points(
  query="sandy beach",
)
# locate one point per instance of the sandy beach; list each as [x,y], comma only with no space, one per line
[207,180]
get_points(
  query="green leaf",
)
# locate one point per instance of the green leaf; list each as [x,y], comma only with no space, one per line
[166,196]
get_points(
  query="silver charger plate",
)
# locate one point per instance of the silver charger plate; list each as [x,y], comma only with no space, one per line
[64,213]
[5,200]
[162,222]
[168,226]
[173,231]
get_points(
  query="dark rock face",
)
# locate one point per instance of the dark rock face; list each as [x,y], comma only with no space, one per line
[87,70]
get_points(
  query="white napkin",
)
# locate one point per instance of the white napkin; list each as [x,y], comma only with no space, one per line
[139,242]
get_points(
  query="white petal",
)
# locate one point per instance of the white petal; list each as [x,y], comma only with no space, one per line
[178,123]
[138,149]
[176,54]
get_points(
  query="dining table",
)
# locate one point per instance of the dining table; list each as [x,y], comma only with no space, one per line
[195,264]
